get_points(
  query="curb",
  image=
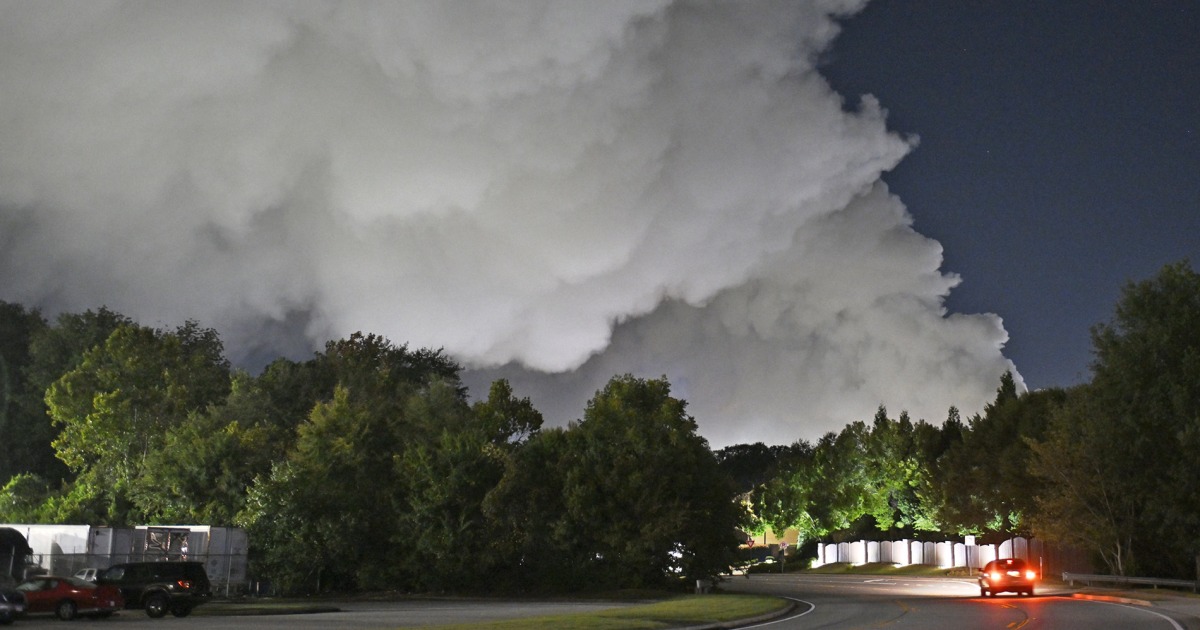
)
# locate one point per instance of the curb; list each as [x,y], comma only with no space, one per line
[1112,599]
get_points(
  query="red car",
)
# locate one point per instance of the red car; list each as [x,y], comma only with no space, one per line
[1010,574]
[68,597]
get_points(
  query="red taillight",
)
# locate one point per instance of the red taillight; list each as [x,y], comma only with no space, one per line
[995,575]
[1030,574]
[184,584]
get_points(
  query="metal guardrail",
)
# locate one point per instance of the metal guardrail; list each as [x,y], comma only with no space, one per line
[1121,580]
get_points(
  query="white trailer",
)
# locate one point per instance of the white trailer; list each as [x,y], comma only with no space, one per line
[222,550]
[65,549]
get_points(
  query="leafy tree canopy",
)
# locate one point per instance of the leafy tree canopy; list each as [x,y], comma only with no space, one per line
[1135,430]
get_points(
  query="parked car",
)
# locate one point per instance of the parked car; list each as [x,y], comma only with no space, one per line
[159,587]
[12,604]
[88,574]
[1011,575]
[69,597]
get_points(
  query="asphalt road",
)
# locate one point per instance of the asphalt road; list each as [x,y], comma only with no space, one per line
[822,601]
[825,601]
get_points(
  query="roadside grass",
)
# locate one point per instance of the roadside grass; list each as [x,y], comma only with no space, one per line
[256,607]
[688,610]
[884,568]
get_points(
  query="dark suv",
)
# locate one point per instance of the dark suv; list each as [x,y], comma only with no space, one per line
[159,587]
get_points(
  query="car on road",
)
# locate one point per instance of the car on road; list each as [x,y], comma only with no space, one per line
[1010,575]
[160,587]
[12,604]
[69,597]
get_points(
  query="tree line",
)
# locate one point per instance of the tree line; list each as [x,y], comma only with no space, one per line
[367,466]
[1108,466]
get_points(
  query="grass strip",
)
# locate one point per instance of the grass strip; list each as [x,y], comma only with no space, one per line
[884,568]
[251,609]
[688,610]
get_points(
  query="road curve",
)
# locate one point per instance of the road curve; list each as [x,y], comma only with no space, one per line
[823,601]
[902,603]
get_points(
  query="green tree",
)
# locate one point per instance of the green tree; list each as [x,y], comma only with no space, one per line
[448,478]
[116,407]
[1141,412]
[21,410]
[320,518]
[506,419]
[58,349]
[644,491]
[22,499]
[860,481]
[932,443]
[1147,375]
[55,350]
[284,394]
[331,515]
[765,476]
[532,538]
[1089,498]
[840,480]
[629,496]
[206,465]
[751,465]
[984,481]
[784,500]
[900,454]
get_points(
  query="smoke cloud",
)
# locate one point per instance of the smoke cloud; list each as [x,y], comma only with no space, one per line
[555,192]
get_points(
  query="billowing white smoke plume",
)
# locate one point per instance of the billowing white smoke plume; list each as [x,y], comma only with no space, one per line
[577,187]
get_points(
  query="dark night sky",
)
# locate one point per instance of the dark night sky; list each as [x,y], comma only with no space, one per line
[1059,152]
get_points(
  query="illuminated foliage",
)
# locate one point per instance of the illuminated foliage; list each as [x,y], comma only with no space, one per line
[117,406]
[875,474]
[984,482]
[21,499]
